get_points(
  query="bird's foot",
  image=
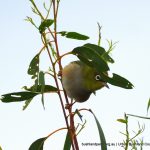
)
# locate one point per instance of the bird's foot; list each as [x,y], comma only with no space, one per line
[68,106]
[60,73]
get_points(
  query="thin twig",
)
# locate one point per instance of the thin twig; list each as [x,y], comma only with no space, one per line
[33,3]
[56,131]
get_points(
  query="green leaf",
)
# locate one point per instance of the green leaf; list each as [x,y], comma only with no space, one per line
[18,96]
[45,24]
[101,51]
[38,144]
[96,57]
[33,69]
[67,144]
[42,83]
[38,89]
[107,58]
[117,80]
[41,78]
[47,88]
[101,134]
[122,120]
[0,148]
[79,114]
[73,35]
[26,104]
[148,105]
[91,58]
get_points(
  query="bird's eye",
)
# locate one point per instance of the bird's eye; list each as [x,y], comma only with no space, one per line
[98,78]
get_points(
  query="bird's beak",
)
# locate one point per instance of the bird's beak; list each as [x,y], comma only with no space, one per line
[94,93]
[105,84]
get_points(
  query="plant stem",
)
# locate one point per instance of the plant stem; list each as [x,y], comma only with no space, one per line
[32,1]
[127,133]
[55,131]
[56,81]
[71,127]
[72,132]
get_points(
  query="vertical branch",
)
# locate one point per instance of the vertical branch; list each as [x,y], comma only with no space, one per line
[32,1]
[56,81]
[55,32]
[127,133]
[72,130]
[74,136]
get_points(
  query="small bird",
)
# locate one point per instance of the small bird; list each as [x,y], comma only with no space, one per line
[80,81]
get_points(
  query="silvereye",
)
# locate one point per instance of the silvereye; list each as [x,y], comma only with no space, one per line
[80,81]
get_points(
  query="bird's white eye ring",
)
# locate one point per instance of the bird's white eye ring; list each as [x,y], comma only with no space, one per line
[98,77]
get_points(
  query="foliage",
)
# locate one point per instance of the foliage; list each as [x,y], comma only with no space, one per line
[94,55]
[134,141]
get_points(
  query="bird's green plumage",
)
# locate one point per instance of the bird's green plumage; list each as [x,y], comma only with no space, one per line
[79,81]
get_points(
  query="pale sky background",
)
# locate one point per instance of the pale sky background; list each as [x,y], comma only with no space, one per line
[125,21]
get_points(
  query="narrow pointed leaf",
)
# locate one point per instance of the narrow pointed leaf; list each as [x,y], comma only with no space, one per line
[67,144]
[91,58]
[42,83]
[38,144]
[101,51]
[45,24]
[148,105]
[73,35]
[117,80]
[47,88]
[18,96]
[122,120]
[34,67]
[79,114]
[107,58]
[101,134]
[26,104]
[37,89]
[98,49]
[41,78]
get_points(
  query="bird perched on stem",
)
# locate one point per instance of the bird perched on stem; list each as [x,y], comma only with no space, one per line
[80,81]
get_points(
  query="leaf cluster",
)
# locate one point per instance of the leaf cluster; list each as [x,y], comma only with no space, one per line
[94,55]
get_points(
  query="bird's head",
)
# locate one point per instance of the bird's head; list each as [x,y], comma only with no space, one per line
[92,80]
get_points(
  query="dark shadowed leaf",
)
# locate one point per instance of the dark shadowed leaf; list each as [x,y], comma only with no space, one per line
[67,144]
[107,58]
[117,80]
[18,96]
[26,104]
[79,114]
[101,134]
[122,120]
[45,24]
[42,83]
[101,51]
[148,105]
[47,88]
[38,144]
[41,78]
[0,148]
[37,89]
[91,58]
[73,35]
[34,67]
